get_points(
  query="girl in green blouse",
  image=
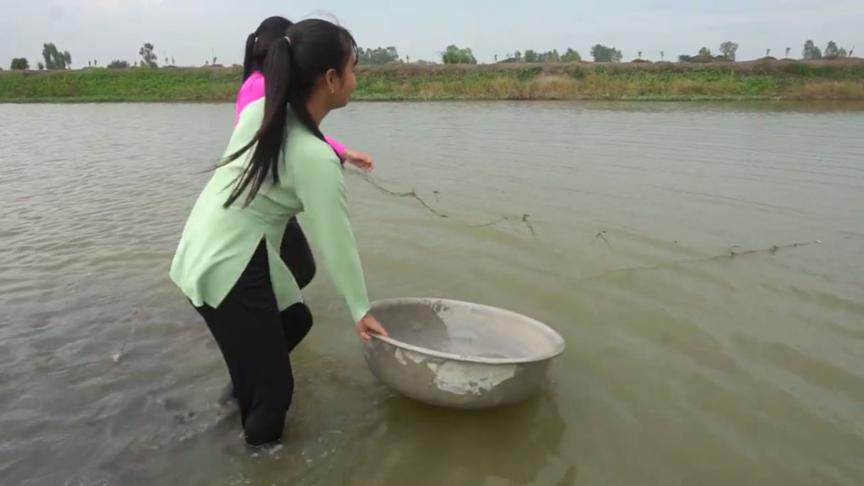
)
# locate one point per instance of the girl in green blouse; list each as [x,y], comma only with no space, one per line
[277,165]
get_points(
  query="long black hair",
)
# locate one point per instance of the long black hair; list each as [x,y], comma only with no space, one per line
[270,30]
[291,67]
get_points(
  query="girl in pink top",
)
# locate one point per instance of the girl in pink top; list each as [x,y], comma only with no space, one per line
[272,29]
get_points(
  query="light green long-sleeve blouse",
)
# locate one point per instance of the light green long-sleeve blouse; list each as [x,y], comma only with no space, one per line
[217,243]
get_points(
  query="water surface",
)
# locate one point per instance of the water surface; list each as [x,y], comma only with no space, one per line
[613,223]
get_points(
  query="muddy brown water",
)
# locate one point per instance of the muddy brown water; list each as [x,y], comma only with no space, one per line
[704,346]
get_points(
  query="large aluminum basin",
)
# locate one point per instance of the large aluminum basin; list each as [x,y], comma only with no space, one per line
[458,354]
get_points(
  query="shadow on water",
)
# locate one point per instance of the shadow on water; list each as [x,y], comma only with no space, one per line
[517,444]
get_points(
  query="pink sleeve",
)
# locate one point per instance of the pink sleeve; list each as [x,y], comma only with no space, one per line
[337,146]
[252,90]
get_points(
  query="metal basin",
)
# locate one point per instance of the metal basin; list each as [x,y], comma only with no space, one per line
[459,354]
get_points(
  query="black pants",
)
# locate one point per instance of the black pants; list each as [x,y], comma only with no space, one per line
[256,339]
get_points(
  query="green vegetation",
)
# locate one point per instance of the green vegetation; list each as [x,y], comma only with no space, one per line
[143,84]
[841,79]
[648,81]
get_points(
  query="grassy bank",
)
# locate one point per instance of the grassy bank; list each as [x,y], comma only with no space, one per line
[775,80]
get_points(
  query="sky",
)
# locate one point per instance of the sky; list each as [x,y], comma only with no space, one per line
[192,31]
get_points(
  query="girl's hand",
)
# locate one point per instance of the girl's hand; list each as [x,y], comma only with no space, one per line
[360,160]
[368,325]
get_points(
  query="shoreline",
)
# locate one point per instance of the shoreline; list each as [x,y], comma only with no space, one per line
[764,80]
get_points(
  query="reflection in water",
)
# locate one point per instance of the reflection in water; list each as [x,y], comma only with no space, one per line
[527,438]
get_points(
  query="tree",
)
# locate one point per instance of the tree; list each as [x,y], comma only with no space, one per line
[148,57]
[379,55]
[811,51]
[512,57]
[549,56]
[54,59]
[48,51]
[456,55]
[704,55]
[662,56]
[728,49]
[640,54]
[89,63]
[118,64]
[172,62]
[20,63]
[601,53]
[571,56]
[41,66]
[788,50]
[536,57]
[832,51]
[768,52]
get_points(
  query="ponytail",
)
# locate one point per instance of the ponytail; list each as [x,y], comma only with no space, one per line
[271,30]
[249,56]
[270,137]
